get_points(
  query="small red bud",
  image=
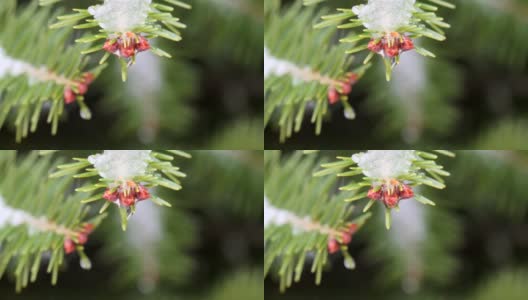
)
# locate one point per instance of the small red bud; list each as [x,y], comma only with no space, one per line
[406,192]
[69,95]
[347,238]
[111,46]
[333,246]
[127,200]
[127,51]
[347,88]
[143,44]
[352,228]
[83,88]
[333,95]
[110,196]
[352,78]
[69,246]
[374,194]
[88,78]
[375,46]
[390,200]
[88,228]
[391,51]
[407,44]
[142,193]
[82,238]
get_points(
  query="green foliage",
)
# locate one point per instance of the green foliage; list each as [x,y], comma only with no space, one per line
[240,22]
[243,284]
[160,172]
[424,23]
[293,245]
[506,134]
[238,177]
[320,67]
[229,137]
[419,101]
[417,252]
[23,248]
[509,284]
[141,261]
[150,105]
[159,23]
[424,171]
[505,23]
[495,171]
[23,99]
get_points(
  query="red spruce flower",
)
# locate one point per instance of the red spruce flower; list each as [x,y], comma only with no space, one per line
[407,44]
[69,95]
[110,195]
[127,194]
[390,193]
[375,46]
[333,95]
[142,193]
[111,46]
[69,246]
[143,44]
[333,246]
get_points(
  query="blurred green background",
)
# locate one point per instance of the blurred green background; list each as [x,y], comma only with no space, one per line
[474,95]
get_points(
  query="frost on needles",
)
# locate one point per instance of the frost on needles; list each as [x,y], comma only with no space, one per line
[385,15]
[121,165]
[121,15]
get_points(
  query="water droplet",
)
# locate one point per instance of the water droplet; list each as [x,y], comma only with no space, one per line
[86,113]
[86,263]
[350,113]
[350,263]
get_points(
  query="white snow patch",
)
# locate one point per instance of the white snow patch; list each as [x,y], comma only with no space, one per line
[121,164]
[274,66]
[121,15]
[12,67]
[385,164]
[278,217]
[385,15]
[10,216]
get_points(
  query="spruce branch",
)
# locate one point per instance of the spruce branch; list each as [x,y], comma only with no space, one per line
[304,222]
[390,26]
[126,176]
[38,73]
[389,176]
[299,82]
[242,284]
[125,26]
[38,222]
